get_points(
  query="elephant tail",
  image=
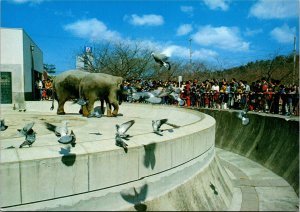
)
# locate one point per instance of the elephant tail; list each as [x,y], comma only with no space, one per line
[53,97]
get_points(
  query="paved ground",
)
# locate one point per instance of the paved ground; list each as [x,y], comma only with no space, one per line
[257,188]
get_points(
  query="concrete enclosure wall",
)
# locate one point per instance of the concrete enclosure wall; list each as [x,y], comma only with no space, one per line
[272,141]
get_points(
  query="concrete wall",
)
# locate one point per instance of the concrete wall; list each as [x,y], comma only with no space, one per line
[272,141]
[96,174]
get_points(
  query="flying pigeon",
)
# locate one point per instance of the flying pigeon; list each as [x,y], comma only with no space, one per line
[29,138]
[176,97]
[68,139]
[147,96]
[2,125]
[161,59]
[122,129]
[119,142]
[243,116]
[157,124]
[59,131]
[27,129]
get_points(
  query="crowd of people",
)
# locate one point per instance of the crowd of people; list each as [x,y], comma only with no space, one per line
[44,89]
[259,96]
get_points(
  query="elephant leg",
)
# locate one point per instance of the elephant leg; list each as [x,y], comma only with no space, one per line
[85,111]
[108,106]
[116,108]
[88,108]
[60,109]
[102,105]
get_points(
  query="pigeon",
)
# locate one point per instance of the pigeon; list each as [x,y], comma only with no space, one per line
[122,129]
[82,102]
[29,138]
[27,129]
[161,59]
[68,139]
[243,116]
[119,142]
[59,131]
[2,125]
[147,96]
[95,114]
[157,124]
[176,97]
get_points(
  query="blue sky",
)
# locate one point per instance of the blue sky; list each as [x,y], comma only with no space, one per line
[224,33]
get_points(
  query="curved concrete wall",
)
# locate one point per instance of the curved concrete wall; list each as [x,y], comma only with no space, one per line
[96,173]
[272,141]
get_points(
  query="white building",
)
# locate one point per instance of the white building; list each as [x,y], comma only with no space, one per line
[21,63]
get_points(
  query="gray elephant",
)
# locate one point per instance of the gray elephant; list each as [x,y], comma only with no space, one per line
[66,87]
[108,87]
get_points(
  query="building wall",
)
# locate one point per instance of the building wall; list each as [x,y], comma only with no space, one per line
[15,57]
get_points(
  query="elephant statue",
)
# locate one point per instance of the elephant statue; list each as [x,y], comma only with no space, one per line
[66,87]
[105,86]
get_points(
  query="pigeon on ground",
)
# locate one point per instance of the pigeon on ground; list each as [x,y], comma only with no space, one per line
[29,138]
[27,129]
[243,116]
[161,59]
[157,124]
[68,139]
[122,129]
[82,102]
[120,142]
[59,131]
[95,114]
[2,125]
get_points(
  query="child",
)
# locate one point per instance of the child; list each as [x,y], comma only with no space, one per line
[44,94]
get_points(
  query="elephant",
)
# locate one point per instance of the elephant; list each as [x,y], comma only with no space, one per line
[66,87]
[106,86]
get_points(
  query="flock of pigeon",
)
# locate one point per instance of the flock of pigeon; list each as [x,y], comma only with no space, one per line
[155,96]
[68,137]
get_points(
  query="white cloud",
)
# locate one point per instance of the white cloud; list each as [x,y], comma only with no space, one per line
[215,4]
[187,9]
[27,1]
[184,52]
[184,29]
[227,38]
[275,9]
[283,34]
[92,29]
[150,20]
[252,32]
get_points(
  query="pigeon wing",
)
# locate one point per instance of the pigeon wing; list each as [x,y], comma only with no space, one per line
[125,126]
[154,100]
[28,127]
[66,139]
